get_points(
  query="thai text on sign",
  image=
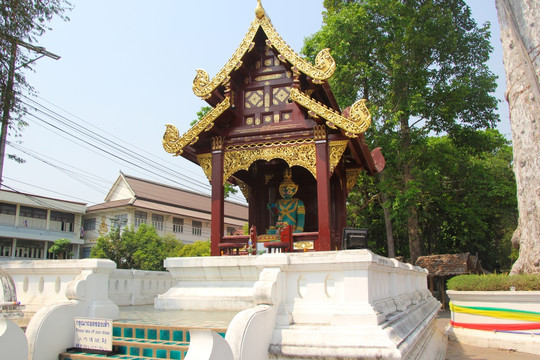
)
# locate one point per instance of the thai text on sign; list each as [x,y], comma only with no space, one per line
[93,334]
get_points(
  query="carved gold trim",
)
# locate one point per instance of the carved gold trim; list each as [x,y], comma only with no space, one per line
[269,144]
[205,162]
[217,143]
[323,69]
[302,245]
[244,188]
[300,154]
[352,177]
[336,149]
[319,132]
[358,122]
[174,144]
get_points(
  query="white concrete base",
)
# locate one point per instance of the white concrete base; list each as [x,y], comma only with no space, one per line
[325,305]
[495,340]
[13,343]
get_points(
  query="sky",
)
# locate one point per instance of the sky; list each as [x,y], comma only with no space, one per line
[126,70]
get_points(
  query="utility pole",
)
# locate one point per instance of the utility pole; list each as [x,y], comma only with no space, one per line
[7,93]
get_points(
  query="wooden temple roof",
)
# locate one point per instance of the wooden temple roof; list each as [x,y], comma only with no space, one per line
[308,88]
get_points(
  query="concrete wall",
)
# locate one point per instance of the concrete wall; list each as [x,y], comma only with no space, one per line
[496,319]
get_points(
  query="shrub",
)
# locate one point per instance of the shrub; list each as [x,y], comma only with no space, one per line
[494,282]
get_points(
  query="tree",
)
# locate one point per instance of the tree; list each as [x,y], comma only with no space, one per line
[422,66]
[521,46]
[61,248]
[21,23]
[141,249]
[198,248]
[466,203]
[111,246]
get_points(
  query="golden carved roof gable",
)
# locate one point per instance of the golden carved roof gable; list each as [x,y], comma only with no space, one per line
[321,71]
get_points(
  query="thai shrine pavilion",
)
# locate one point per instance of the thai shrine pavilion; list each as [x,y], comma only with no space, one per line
[275,121]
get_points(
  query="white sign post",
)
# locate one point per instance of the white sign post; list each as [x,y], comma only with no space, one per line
[94,334]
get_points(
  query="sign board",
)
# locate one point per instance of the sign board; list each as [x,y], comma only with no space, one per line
[93,334]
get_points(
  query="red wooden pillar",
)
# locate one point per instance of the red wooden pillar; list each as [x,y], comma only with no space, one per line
[323,242]
[217,216]
[341,204]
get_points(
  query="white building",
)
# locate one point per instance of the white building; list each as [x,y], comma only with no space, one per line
[133,201]
[29,225]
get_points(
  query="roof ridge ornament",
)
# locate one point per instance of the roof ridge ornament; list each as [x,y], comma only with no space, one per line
[356,123]
[322,70]
[259,10]
[174,144]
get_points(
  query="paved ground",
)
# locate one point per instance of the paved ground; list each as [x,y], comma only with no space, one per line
[457,351]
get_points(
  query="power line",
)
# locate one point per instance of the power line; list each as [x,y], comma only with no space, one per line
[150,165]
[85,132]
[70,173]
[42,188]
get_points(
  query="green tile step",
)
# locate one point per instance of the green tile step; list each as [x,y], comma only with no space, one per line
[135,341]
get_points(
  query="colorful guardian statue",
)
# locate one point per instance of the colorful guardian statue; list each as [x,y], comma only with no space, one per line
[289,210]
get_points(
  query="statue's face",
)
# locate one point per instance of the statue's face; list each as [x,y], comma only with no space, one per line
[287,191]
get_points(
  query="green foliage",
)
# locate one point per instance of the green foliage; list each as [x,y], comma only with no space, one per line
[21,20]
[422,67]
[198,248]
[466,200]
[141,249]
[200,114]
[499,282]
[60,247]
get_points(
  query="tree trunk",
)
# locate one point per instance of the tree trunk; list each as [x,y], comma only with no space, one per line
[387,223]
[520,38]
[412,216]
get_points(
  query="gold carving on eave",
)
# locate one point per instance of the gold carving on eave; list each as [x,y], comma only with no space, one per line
[337,148]
[323,69]
[244,188]
[174,144]
[319,132]
[358,122]
[300,154]
[303,245]
[205,162]
[352,177]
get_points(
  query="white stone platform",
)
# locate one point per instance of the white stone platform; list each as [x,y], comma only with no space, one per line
[325,305]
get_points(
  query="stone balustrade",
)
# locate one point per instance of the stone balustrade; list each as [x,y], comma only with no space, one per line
[44,282]
[336,304]
[138,287]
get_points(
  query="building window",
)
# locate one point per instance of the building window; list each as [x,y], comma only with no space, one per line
[62,221]
[140,218]
[89,224]
[7,214]
[196,227]
[119,220]
[178,225]
[157,221]
[8,209]
[32,217]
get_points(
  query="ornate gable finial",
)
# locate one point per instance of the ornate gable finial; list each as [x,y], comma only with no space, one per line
[259,10]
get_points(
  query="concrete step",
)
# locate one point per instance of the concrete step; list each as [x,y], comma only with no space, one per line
[132,341]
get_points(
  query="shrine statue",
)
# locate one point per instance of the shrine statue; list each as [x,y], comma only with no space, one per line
[289,210]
